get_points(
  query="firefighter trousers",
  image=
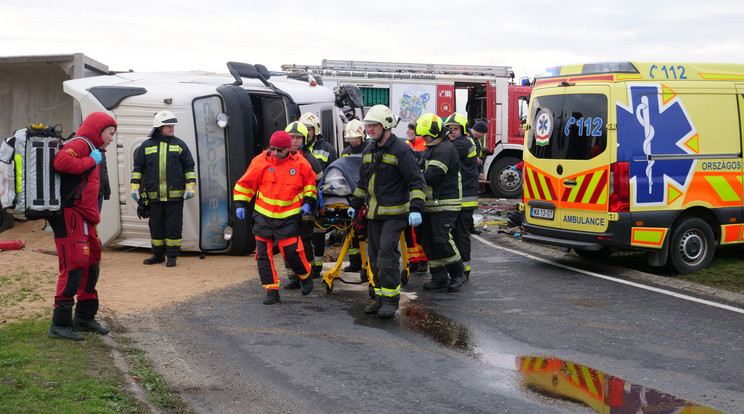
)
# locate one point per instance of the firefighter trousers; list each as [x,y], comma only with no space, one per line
[294,255]
[439,247]
[461,235]
[383,238]
[79,254]
[166,223]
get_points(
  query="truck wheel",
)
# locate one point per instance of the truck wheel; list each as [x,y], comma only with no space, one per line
[691,246]
[505,183]
[600,254]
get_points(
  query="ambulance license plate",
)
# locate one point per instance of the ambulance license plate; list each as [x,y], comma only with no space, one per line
[542,213]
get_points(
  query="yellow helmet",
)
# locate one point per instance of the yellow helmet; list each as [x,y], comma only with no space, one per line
[164,118]
[429,124]
[380,114]
[309,119]
[354,129]
[297,128]
[457,119]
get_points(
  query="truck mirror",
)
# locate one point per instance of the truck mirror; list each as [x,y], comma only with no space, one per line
[263,71]
[350,93]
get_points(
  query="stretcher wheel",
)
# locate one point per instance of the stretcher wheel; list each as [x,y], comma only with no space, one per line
[328,289]
[404,277]
[371,291]
[363,275]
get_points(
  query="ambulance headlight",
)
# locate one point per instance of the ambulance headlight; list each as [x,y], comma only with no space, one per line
[222,120]
[227,233]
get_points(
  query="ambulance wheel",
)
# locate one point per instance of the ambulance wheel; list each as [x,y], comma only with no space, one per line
[6,220]
[371,291]
[404,277]
[600,254]
[691,246]
[505,183]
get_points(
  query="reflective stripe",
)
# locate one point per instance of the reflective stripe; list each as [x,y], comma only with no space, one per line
[162,166]
[358,192]
[173,242]
[321,155]
[435,163]
[275,202]
[151,150]
[157,242]
[136,176]
[355,251]
[190,175]
[418,194]
[390,292]
[276,215]
[390,159]
[175,148]
[433,264]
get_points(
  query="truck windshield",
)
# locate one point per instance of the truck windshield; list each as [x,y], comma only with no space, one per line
[569,127]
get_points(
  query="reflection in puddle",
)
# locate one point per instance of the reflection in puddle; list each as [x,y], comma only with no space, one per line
[604,393]
[442,330]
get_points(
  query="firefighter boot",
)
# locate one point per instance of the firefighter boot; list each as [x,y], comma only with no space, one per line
[457,276]
[171,262]
[439,280]
[374,308]
[154,259]
[294,282]
[389,306]
[306,285]
[355,263]
[315,271]
[423,266]
[62,324]
[272,297]
[85,317]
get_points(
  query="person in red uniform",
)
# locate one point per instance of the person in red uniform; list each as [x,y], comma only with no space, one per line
[75,235]
[283,184]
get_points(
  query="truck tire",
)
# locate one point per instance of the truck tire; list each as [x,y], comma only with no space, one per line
[504,182]
[691,246]
[600,254]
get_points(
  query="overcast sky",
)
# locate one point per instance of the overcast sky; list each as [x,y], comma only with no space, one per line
[528,35]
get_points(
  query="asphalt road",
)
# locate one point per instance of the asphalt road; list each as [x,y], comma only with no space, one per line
[523,336]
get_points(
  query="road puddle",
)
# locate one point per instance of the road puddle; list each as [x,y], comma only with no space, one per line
[551,377]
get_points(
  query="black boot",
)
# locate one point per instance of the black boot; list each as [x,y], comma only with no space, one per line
[456,282]
[439,280]
[374,308]
[64,332]
[85,317]
[171,261]
[154,259]
[89,325]
[423,266]
[389,306]
[355,264]
[294,282]
[62,323]
[306,285]
[315,271]
[272,297]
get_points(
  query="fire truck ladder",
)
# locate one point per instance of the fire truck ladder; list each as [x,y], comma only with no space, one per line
[393,67]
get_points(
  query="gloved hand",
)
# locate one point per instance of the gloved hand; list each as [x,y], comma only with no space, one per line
[513,168]
[305,209]
[135,191]
[414,218]
[240,212]
[351,212]
[190,191]
[96,155]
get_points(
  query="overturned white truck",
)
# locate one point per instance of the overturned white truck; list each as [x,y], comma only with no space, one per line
[225,119]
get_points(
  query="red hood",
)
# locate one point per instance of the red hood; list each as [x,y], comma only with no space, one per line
[93,125]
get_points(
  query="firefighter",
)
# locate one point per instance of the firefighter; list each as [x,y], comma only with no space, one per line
[164,168]
[75,233]
[298,132]
[326,154]
[416,258]
[391,179]
[468,155]
[355,135]
[283,183]
[441,166]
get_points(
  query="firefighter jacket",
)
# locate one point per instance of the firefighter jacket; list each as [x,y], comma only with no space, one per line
[391,180]
[162,166]
[354,150]
[314,163]
[442,174]
[468,154]
[323,151]
[280,188]
[479,149]
[78,170]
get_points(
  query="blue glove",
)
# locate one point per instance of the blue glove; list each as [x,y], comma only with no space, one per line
[305,209]
[351,212]
[240,212]
[96,155]
[414,218]
[513,168]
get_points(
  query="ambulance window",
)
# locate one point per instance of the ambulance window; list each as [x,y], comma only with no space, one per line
[568,127]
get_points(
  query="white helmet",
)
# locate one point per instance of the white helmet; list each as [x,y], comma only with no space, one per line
[309,119]
[354,129]
[380,114]
[164,118]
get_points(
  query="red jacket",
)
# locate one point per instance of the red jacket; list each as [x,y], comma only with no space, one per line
[79,169]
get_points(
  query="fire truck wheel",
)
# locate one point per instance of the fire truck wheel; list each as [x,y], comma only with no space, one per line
[600,254]
[505,183]
[691,246]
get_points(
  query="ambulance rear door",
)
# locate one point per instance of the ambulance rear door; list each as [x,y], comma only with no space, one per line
[567,158]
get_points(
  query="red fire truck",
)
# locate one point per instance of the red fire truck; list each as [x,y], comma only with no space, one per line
[485,93]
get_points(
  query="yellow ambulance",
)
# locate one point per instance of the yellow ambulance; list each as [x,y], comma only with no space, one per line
[628,155]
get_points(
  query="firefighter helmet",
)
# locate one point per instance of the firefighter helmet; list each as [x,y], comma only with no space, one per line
[354,129]
[309,119]
[457,119]
[297,128]
[380,114]
[164,118]
[429,124]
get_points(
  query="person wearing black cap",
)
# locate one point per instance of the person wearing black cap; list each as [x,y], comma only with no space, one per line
[478,134]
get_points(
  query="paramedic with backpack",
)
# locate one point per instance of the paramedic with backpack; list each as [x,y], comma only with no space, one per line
[392,186]
[164,168]
[75,233]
